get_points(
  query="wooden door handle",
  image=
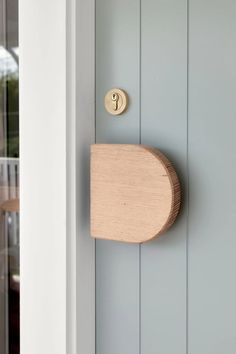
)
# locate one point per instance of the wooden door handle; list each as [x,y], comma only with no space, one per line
[135,192]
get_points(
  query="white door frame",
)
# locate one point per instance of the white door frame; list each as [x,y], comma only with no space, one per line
[57,119]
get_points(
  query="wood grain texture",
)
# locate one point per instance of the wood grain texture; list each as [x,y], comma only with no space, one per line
[135,192]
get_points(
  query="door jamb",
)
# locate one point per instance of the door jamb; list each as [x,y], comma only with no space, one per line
[57,47]
[85,136]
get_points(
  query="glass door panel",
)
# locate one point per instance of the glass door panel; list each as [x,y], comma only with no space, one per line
[9,179]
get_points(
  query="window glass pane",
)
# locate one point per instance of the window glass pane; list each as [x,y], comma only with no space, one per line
[9,178]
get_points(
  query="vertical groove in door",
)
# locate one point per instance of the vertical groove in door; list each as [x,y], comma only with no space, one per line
[140,71]
[95,141]
[164,125]
[140,299]
[117,264]
[187,186]
[140,142]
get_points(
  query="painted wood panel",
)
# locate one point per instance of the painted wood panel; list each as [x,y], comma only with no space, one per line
[43,184]
[117,65]
[175,294]
[117,264]
[212,145]
[164,125]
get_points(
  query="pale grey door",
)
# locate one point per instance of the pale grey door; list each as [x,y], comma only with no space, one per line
[176,60]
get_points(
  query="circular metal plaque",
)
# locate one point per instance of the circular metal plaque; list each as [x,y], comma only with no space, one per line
[116,101]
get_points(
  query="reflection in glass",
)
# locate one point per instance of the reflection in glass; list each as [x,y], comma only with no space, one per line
[9,179]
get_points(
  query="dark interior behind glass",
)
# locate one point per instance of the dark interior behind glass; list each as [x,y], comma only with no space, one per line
[9,179]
